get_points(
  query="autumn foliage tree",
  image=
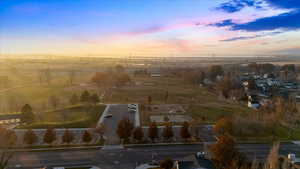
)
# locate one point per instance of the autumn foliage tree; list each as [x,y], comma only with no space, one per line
[67,137]
[8,138]
[107,79]
[102,79]
[121,78]
[100,130]
[11,137]
[194,77]
[6,142]
[87,137]
[30,137]
[138,134]
[168,132]
[224,152]
[166,163]
[50,136]
[153,131]
[124,129]
[184,131]
[224,126]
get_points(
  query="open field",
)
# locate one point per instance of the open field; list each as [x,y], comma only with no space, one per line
[210,112]
[272,134]
[79,116]
[198,102]
[27,84]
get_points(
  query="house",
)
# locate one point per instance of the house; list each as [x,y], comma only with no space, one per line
[10,118]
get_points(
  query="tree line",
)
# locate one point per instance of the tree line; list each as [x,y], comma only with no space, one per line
[30,138]
[126,130]
[28,116]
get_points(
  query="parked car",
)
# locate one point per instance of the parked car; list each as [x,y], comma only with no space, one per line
[132,105]
[132,110]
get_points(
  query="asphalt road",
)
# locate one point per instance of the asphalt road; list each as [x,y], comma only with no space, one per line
[118,111]
[128,158]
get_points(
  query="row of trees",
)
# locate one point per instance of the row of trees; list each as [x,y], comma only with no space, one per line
[109,79]
[49,137]
[197,76]
[126,130]
[27,115]
[270,68]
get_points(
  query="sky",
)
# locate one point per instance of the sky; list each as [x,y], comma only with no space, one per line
[150,27]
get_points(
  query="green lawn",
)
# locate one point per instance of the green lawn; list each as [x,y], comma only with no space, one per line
[275,132]
[78,116]
[211,113]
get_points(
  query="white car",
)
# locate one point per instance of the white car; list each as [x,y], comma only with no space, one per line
[132,105]
[132,110]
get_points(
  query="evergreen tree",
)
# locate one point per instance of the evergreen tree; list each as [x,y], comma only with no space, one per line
[74,99]
[85,97]
[27,115]
[94,99]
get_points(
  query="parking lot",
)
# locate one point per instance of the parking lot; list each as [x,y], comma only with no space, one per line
[112,116]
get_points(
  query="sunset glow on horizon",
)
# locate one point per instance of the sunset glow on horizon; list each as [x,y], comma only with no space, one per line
[157,27]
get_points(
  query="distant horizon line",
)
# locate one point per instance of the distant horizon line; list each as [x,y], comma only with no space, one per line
[40,56]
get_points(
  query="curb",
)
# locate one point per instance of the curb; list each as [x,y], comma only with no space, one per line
[101,147]
[55,149]
[100,121]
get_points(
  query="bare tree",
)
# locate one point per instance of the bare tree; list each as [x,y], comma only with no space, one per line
[7,141]
[273,157]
